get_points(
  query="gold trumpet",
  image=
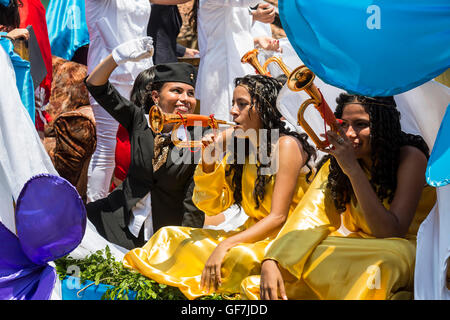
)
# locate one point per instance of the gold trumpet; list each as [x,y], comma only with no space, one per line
[251,57]
[158,119]
[301,78]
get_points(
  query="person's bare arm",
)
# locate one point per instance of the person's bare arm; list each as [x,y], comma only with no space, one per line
[130,51]
[382,222]
[101,73]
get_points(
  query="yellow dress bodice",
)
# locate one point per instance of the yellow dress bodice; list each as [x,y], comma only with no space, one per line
[213,192]
[327,263]
[354,222]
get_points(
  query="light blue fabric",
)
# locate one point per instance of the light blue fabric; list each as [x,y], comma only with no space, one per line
[438,169]
[24,81]
[370,47]
[71,289]
[67,28]
[5,2]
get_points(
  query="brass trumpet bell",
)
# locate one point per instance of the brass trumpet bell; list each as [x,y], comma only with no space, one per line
[251,57]
[157,119]
[301,78]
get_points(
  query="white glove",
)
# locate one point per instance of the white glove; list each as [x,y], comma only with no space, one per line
[133,50]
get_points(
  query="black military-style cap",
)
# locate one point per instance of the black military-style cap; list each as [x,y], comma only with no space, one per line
[175,72]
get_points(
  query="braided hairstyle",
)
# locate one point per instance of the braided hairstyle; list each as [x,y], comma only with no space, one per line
[263,93]
[386,139]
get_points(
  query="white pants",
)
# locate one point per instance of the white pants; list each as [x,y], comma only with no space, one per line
[101,167]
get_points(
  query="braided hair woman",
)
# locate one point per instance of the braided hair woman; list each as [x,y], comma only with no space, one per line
[265,173]
[353,234]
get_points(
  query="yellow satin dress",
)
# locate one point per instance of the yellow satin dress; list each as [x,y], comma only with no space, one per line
[334,257]
[176,256]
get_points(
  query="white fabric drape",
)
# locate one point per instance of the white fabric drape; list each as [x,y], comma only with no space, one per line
[111,23]
[224,36]
[433,251]
[22,154]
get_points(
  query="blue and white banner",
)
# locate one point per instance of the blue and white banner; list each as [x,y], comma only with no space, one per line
[438,172]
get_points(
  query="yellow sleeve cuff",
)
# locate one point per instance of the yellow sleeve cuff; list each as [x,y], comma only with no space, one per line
[212,193]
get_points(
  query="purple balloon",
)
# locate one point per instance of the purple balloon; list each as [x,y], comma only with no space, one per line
[50,218]
[50,222]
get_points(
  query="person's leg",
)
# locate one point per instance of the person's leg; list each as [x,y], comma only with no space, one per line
[349,269]
[361,269]
[102,163]
[106,222]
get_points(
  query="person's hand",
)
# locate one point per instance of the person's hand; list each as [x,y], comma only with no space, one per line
[209,151]
[342,150]
[265,13]
[271,281]
[211,276]
[133,50]
[18,34]
[267,43]
[213,146]
[191,53]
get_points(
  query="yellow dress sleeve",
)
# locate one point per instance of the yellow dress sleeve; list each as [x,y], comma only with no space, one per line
[309,224]
[212,191]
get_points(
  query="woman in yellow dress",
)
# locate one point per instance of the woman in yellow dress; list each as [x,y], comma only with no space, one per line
[353,234]
[267,178]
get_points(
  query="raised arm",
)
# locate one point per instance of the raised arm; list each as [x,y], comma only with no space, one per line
[120,108]
[212,192]
[394,222]
[382,222]
[101,73]
[133,50]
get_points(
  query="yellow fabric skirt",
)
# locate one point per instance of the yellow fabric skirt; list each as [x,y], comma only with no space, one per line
[176,256]
[352,269]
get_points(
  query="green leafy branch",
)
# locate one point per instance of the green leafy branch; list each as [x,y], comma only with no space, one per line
[101,267]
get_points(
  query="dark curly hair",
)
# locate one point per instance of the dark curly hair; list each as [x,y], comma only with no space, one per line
[141,93]
[9,16]
[263,92]
[386,139]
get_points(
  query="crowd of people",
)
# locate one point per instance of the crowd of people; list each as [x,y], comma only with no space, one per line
[256,210]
